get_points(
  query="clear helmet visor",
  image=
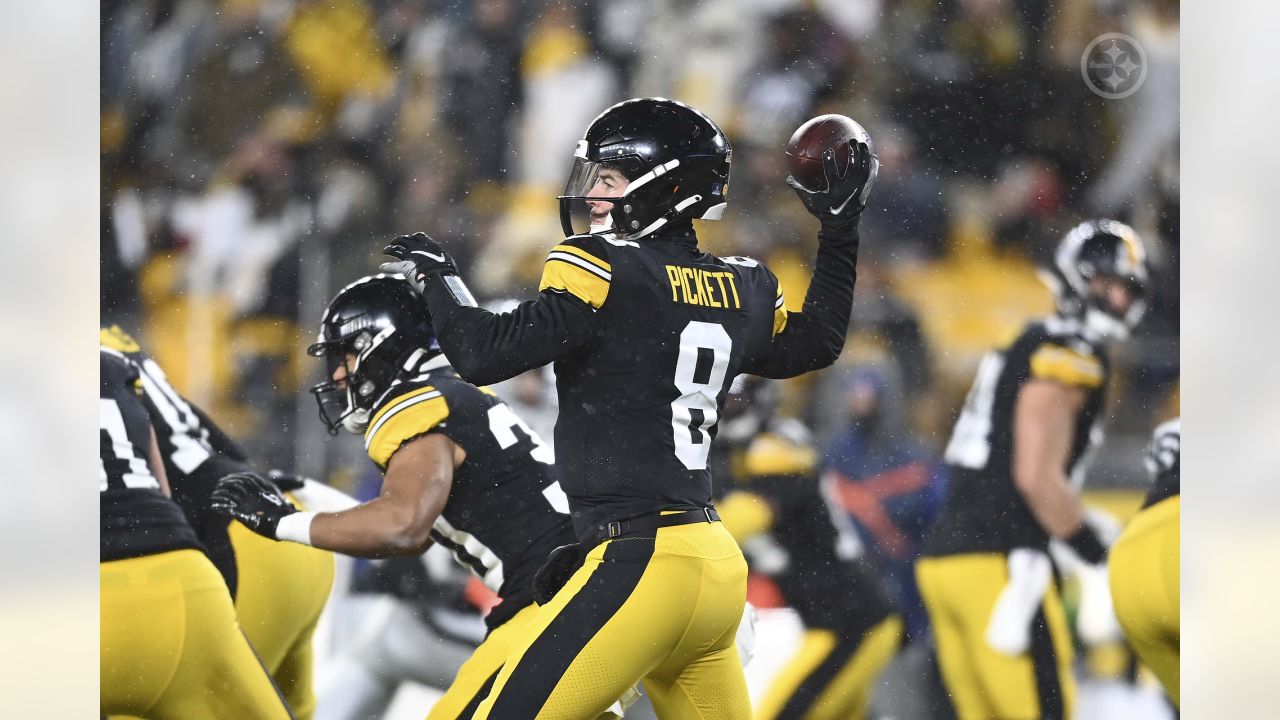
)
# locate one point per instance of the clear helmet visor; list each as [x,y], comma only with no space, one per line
[583,186]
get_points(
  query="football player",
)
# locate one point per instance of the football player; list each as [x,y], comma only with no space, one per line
[279,590]
[1017,456]
[646,332]
[459,468]
[778,510]
[170,646]
[1144,564]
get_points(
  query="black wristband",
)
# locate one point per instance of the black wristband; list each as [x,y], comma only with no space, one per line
[1087,545]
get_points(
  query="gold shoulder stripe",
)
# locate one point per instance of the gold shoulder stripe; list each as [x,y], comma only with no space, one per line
[779,319]
[578,277]
[1068,366]
[395,401]
[409,419]
[583,255]
[117,339]
[770,454]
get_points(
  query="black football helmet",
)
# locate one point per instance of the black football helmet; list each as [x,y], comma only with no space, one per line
[675,158]
[1099,248]
[378,330]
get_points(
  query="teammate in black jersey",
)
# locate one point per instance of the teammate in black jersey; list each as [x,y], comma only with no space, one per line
[170,645]
[646,332]
[459,468]
[1016,459]
[279,590]
[1144,564]
[778,509]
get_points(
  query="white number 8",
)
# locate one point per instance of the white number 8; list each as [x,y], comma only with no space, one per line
[700,369]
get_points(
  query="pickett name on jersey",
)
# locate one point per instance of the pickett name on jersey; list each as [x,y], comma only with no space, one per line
[695,286]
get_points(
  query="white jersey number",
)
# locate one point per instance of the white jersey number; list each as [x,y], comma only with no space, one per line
[139,474]
[700,370]
[970,444]
[502,423]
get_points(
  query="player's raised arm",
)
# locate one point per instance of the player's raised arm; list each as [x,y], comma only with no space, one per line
[814,337]
[486,347]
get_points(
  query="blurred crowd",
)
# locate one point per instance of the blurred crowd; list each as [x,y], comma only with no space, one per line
[257,153]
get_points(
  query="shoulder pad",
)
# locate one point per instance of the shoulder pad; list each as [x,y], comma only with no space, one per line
[771,453]
[1068,362]
[407,411]
[579,266]
[117,339]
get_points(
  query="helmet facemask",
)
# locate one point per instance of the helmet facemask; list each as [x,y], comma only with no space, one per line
[1100,249]
[675,159]
[347,402]
[377,332]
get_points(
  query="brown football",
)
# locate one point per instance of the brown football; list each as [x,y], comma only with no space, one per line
[812,139]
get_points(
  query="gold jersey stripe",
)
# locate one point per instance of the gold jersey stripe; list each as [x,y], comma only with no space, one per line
[117,339]
[394,403]
[416,417]
[779,319]
[601,264]
[1064,365]
[587,285]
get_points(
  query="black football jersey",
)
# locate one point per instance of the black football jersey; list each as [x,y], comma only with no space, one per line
[135,517]
[984,512]
[812,550]
[196,452]
[505,512]
[639,403]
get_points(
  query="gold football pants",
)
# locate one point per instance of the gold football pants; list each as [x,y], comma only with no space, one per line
[960,593]
[170,646]
[281,591]
[832,675]
[662,608]
[1145,575]
[477,674]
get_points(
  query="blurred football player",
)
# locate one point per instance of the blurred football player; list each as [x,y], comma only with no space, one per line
[646,332]
[279,590]
[459,468]
[780,512]
[1144,564]
[170,646]
[1017,456]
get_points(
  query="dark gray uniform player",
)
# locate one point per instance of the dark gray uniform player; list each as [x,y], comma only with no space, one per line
[646,332]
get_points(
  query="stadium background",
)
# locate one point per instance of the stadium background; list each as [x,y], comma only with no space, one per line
[256,153]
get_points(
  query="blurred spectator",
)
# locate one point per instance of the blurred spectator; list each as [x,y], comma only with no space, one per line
[231,92]
[883,476]
[481,92]
[909,218]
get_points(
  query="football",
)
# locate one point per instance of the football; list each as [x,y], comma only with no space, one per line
[812,139]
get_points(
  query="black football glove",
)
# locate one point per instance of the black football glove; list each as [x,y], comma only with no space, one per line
[561,564]
[256,503]
[845,197]
[418,256]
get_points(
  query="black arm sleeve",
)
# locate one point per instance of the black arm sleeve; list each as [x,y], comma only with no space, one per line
[814,337]
[486,347]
